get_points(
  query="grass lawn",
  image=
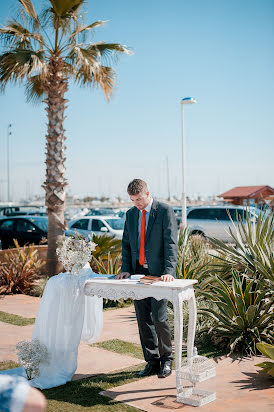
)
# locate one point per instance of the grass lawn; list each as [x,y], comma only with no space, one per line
[15,319]
[210,351]
[84,395]
[131,349]
[122,347]
[8,365]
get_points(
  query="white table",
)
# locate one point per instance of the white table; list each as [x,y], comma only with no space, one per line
[176,292]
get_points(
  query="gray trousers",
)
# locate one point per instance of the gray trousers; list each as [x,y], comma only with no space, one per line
[153,326]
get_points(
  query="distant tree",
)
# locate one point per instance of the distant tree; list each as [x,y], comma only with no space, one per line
[88,199]
[45,51]
[104,199]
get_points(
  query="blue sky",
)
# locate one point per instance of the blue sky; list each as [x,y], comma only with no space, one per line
[220,52]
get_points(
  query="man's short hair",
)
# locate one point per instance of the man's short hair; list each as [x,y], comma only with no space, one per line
[136,186]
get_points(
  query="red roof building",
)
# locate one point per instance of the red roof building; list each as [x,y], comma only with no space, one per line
[249,195]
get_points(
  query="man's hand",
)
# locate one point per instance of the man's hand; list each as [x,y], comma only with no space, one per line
[167,278]
[123,275]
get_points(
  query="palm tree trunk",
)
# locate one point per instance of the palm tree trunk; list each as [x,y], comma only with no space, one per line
[56,85]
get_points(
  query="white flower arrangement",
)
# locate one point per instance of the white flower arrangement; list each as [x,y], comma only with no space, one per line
[30,355]
[75,252]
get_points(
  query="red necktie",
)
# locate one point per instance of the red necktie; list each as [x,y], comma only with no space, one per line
[142,239]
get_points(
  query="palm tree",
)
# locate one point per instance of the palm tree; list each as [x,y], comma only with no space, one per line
[45,51]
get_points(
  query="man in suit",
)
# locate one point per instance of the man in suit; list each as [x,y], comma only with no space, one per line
[149,247]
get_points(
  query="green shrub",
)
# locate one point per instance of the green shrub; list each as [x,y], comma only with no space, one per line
[39,287]
[20,270]
[111,266]
[243,313]
[106,245]
[193,259]
[252,251]
[202,321]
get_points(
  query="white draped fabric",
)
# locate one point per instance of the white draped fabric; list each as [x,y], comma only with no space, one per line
[65,316]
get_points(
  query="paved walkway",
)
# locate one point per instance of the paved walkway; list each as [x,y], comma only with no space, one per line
[239,386]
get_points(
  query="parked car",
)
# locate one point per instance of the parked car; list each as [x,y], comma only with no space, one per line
[122,213]
[98,225]
[26,229]
[214,221]
[178,214]
[75,212]
[101,211]
[6,211]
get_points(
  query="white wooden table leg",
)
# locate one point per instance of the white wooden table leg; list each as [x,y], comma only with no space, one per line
[191,325]
[178,336]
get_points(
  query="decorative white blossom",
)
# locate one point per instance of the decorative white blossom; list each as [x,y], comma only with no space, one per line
[75,252]
[30,355]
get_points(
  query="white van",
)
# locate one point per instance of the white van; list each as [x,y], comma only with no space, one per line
[214,221]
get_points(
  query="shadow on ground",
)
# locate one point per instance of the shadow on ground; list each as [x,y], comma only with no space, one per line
[255,381]
[86,392]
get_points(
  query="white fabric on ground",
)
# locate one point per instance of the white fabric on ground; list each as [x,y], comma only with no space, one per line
[65,316]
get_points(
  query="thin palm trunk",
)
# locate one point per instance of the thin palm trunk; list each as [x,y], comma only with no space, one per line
[55,86]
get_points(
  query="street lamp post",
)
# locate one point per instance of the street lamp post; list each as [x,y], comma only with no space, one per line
[186,100]
[8,161]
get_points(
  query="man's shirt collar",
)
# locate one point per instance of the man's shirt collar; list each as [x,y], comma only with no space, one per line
[148,208]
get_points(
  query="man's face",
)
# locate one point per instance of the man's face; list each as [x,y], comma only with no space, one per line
[141,200]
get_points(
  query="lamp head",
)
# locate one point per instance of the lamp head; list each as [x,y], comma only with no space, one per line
[188,100]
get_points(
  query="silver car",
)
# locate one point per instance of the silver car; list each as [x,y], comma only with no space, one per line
[214,221]
[98,225]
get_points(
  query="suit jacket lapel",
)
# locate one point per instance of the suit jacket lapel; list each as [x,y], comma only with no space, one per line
[135,219]
[151,219]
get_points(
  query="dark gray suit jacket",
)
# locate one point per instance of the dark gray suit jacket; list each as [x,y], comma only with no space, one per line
[161,244]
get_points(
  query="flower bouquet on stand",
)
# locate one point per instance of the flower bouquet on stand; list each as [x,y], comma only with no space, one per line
[31,355]
[75,252]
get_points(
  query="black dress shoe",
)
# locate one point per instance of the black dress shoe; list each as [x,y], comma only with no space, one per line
[166,369]
[150,369]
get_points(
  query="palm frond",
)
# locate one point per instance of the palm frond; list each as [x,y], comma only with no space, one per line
[83,65]
[105,77]
[63,13]
[108,52]
[82,57]
[16,35]
[28,16]
[34,89]
[28,6]
[65,8]
[18,64]
[81,29]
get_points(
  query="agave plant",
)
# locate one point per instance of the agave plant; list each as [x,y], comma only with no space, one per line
[106,244]
[45,51]
[111,266]
[243,314]
[252,251]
